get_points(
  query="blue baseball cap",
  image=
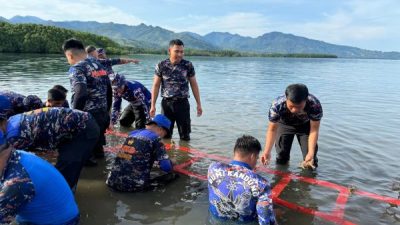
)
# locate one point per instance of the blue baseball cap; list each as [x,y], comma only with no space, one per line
[161,121]
[117,80]
[5,107]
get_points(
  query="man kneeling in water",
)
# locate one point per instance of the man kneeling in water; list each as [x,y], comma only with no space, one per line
[131,169]
[32,190]
[236,192]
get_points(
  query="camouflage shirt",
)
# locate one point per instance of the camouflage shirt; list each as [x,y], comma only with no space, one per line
[279,112]
[238,193]
[16,101]
[133,92]
[132,165]
[108,63]
[175,78]
[20,198]
[92,74]
[47,128]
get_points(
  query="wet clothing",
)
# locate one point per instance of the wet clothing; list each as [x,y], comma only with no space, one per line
[32,198]
[131,168]
[237,193]
[175,78]
[175,93]
[72,132]
[16,101]
[178,110]
[139,98]
[89,84]
[279,113]
[290,125]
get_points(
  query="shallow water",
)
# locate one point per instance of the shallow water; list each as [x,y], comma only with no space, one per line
[359,144]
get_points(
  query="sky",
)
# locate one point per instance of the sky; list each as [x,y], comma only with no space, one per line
[368,24]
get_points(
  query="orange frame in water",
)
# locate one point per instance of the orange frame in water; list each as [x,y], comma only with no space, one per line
[336,216]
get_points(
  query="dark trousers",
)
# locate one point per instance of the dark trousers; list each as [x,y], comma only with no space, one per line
[102,119]
[178,110]
[73,153]
[284,140]
[132,114]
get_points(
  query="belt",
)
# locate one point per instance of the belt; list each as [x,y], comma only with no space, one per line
[175,99]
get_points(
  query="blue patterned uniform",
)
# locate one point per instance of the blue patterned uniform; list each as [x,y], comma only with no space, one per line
[280,113]
[26,194]
[92,74]
[133,92]
[175,78]
[238,193]
[16,101]
[46,128]
[108,63]
[132,165]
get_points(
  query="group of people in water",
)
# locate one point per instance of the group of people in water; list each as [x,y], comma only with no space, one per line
[33,191]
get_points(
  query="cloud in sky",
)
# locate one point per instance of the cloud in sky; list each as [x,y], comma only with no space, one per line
[367,24]
[62,10]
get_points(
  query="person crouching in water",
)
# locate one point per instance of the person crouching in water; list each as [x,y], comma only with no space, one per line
[236,192]
[130,171]
[139,99]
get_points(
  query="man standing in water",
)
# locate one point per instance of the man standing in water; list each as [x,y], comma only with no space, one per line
[174,75]
[91,89]
[295,113]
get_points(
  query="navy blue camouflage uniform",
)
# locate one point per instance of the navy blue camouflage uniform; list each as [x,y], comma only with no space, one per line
[139,98]
[72,132]
[131,168]
[237,193]
[27,196]
[290,124]
[91,92]
[175,94]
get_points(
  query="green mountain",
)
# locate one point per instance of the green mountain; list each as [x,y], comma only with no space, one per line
[34,38]
[153,37]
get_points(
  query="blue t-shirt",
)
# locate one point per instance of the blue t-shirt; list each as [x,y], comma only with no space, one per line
[31,197]
[237,193]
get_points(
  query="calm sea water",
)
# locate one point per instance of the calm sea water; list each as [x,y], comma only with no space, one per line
[359,137]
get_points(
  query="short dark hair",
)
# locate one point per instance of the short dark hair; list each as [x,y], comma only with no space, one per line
[72,44]
[90,48]
[247,144]
[176,42]
[296,93]
[60,88]
[55,95]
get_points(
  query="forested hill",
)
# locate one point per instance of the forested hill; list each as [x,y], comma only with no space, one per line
[34,38]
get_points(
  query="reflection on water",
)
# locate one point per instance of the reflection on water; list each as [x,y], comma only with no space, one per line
[359,144]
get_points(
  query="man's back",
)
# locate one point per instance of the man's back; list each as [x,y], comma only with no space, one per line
[92,74]
[32,197]
[132,165]
[237,193]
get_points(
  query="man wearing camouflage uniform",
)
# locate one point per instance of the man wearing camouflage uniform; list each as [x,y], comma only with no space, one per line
[174,75]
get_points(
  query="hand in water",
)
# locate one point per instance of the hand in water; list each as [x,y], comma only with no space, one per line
[265,158]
